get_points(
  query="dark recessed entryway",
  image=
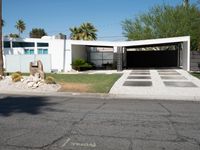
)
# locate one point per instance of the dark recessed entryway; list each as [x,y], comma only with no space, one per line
[141,59]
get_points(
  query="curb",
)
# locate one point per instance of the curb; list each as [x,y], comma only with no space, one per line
[102,95]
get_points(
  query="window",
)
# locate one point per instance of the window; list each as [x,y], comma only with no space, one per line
[42,44]
[29,51]
[23,44]
[6,44]
[42,51]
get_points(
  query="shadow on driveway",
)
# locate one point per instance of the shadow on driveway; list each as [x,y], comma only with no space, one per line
[29,105]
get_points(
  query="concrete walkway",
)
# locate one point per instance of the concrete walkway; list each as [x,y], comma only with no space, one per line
[162,84]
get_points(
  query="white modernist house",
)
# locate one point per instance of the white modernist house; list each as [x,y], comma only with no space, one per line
[58,54]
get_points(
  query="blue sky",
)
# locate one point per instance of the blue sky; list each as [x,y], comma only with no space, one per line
[57,16]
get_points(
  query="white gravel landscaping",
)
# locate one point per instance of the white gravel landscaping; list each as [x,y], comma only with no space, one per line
[7,84]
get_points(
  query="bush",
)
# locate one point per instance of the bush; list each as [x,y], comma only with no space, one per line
[50,80]
[19,73]
[80,64]
[16,77]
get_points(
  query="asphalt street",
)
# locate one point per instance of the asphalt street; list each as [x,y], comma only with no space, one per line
[77,123]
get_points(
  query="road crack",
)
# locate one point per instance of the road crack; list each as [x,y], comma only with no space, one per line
[180,138]
[69,134]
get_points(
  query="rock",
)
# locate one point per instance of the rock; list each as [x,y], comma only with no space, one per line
[35,86]
[30,84]
[36,79]
[37,67]
[2,77]
[37,75]
[40,83]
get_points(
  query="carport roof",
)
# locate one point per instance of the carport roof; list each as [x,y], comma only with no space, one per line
[131,43]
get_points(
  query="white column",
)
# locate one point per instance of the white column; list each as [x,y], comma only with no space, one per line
[115,49]
[68,57]
[186,55]
[35,48]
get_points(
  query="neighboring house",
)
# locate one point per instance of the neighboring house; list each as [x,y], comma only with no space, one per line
[58,54]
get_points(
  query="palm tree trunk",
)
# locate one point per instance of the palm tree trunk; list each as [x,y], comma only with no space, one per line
[1,51]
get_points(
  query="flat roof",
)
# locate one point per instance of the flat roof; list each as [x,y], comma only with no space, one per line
[161,41]
[111,43]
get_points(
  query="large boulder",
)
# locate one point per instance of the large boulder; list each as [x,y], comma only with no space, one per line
[37,68]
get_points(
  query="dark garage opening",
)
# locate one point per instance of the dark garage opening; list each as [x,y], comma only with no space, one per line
[165,57]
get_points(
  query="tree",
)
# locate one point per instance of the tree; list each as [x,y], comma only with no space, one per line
[13,35]
[2,23]
[85,32]
[165,21]
[21,26]
[75,33]
[1,51]
[37,33]
[88,31]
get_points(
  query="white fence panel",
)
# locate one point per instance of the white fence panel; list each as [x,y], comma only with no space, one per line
[21,63]
[46,60]
[24,62]
[12,63]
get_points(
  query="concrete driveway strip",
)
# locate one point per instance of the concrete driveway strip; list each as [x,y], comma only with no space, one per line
[166,84]
[77,123]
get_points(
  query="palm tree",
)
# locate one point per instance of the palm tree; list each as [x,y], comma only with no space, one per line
[75,33]
[85,32]
[1,51]
[88,31]
[21,26]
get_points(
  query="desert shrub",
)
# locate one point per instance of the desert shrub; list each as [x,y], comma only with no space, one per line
[19,72]
[80,64]
[16,77]
[50,80]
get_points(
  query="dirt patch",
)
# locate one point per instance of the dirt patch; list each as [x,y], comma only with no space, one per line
[74,87]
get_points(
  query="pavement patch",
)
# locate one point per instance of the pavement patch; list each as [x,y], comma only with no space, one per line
[137,83]
[169,73]
[139,77]
[139,73]
[166,70]
[179,84]
[173,78]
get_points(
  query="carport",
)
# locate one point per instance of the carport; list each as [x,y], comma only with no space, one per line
[153,53]
[156,53]
[160,55]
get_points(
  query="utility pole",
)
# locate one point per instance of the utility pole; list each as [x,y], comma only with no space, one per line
[1,51]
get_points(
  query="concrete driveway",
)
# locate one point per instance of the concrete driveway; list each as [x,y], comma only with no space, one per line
[158,83]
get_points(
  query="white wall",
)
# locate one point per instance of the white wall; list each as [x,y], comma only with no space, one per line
[56,49]
[67,57]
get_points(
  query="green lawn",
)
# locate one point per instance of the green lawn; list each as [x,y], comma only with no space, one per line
[99,83]
[196,74]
